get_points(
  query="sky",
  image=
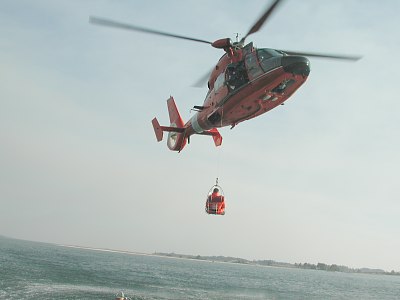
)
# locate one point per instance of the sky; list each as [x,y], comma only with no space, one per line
[315,180]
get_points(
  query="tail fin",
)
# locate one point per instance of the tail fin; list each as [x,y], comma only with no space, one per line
[176,139]
[174,116]
[176,131]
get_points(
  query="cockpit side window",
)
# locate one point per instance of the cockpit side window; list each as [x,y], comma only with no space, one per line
[236,75]
[253,68]
[219,82]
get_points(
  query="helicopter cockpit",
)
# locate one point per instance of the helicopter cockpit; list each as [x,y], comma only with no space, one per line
[255,63]
[262,61]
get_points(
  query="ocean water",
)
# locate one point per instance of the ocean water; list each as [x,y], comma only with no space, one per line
[31,270]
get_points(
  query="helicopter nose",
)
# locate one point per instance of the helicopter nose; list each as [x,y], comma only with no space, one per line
[298,65]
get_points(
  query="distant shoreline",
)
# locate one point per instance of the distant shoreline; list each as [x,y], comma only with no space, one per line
[236,260]
[156,254]
[101,249]
[272,263]
[119,251]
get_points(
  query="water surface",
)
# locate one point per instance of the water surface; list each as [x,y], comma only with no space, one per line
[31,270]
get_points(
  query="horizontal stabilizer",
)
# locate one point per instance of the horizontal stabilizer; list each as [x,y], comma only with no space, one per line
[157,129]
[173,129]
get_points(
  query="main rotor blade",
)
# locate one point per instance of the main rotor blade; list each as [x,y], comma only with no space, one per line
[321,55]
[110,23]
[201,82]
[262,19]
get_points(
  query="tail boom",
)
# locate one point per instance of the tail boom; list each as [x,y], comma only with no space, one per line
[178,132]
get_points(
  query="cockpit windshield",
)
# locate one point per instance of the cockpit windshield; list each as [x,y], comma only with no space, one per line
[269,58]
[267,53]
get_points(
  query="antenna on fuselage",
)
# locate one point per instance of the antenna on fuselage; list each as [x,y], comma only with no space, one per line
[237,37]
[239,43]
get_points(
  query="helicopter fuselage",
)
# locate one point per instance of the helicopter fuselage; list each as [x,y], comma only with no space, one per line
[247,84]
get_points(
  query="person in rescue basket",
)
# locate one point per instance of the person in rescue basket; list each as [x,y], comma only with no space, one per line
[217,198]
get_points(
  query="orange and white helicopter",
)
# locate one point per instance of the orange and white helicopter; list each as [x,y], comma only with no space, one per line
[244,84]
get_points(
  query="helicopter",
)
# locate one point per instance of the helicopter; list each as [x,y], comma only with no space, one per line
[245,83]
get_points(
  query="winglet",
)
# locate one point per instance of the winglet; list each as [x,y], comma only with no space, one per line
[216,137]
[157,129]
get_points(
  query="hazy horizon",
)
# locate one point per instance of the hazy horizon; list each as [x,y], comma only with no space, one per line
[160,253]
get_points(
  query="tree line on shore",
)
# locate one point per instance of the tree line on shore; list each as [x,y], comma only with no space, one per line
[272,263]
